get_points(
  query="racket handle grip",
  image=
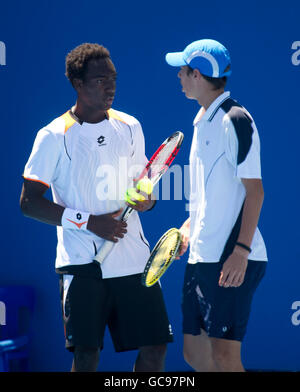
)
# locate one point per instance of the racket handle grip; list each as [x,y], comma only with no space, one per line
[104,251]
[108,245]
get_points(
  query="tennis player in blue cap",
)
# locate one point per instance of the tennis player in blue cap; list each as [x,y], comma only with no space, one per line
[227,255]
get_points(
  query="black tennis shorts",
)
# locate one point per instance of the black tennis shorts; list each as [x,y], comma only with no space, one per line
[135,315]
[221,312]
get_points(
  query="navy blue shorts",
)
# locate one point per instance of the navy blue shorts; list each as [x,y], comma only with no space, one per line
[221,312]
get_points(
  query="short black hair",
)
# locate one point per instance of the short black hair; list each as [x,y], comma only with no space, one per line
[216,82]
[78,58]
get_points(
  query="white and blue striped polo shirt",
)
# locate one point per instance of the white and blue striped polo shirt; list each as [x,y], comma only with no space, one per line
[225,149]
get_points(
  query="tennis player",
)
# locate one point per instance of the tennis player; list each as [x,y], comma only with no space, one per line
[227,256]
[87,156]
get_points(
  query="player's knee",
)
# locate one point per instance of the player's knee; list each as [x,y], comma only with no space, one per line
[154,354]
[86,359]
[228,361]
[189,355]
[221,357]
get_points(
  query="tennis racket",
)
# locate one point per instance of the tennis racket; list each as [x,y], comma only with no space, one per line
[162,256]
[158,164]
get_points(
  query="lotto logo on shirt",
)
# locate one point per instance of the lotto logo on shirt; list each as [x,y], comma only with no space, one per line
[2,53]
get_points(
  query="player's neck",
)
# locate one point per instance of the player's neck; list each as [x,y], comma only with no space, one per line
[88,114]
[209,97]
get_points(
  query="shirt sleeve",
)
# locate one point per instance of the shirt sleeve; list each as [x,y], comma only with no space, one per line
[42,163]
[242,146]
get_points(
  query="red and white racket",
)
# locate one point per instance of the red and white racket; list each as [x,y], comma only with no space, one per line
[156,167]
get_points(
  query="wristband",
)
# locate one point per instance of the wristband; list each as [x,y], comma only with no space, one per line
[74,219]
[244,246]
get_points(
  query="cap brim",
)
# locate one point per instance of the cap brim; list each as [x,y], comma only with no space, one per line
[175,59]
[228,73]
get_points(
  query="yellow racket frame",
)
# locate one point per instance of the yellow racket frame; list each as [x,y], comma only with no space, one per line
[153,272]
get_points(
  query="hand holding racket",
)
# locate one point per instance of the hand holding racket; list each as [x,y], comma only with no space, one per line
[108,226]
[154,170]
[171,246]
[185,238]
[141,197]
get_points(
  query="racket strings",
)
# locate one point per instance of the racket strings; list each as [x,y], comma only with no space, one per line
[162,258]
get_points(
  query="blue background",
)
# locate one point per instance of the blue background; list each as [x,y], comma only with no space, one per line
[34,90]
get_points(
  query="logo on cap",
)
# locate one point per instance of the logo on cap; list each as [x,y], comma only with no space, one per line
[210,57]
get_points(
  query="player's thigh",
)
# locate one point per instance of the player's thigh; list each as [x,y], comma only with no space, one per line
[139,317]
[226,355]
[198,291]
[85,308]
[222,312]
[225,349]
[197,347]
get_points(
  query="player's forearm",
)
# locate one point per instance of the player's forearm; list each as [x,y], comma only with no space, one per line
[185,230]
[251,212]
[41,209]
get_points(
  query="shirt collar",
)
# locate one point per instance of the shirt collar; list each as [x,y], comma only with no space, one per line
[212,109]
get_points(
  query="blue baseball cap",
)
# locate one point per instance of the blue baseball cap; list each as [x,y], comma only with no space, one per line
[210,57]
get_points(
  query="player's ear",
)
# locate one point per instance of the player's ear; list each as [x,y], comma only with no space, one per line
[197,74]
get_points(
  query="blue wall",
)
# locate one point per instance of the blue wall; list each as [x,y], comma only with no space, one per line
[34,90]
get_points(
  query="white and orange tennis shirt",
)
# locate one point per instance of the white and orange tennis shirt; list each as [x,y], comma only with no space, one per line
[89,167]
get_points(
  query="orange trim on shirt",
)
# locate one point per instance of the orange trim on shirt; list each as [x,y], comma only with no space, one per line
[32,179]
[69,120]
[77,224]
[112,113]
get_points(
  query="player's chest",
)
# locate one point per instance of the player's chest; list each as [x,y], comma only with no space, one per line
[208,144]
[102,144]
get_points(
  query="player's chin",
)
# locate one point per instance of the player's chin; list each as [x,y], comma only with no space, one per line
[108,103]
[189,96]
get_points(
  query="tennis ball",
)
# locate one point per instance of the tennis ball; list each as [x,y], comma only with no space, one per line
[145,185]
[132,194]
